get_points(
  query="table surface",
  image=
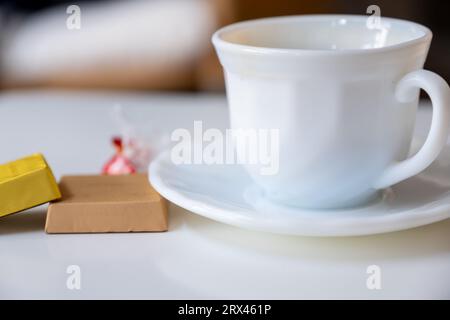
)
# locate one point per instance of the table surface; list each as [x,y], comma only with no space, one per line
[198,258]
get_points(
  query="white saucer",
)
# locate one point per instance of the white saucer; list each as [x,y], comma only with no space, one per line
[225,193]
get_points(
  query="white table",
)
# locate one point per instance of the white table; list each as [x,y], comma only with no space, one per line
[197,258]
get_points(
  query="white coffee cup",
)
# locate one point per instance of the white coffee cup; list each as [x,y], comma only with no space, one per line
[343,94]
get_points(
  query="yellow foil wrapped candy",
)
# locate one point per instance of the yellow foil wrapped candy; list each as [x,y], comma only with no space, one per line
[26,183]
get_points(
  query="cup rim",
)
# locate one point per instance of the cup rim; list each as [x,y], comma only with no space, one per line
[220,43]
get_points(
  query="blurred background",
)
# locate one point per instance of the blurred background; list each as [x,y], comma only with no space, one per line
[159,44]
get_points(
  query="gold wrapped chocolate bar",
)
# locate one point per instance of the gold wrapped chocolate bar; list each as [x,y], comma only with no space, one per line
[26,183]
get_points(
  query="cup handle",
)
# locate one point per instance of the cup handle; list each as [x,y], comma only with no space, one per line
[439,92]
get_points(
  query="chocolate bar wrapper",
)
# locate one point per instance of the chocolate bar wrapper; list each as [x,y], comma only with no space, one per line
[26,183]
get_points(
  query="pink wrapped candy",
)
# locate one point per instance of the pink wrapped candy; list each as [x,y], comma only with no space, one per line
[119,163]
